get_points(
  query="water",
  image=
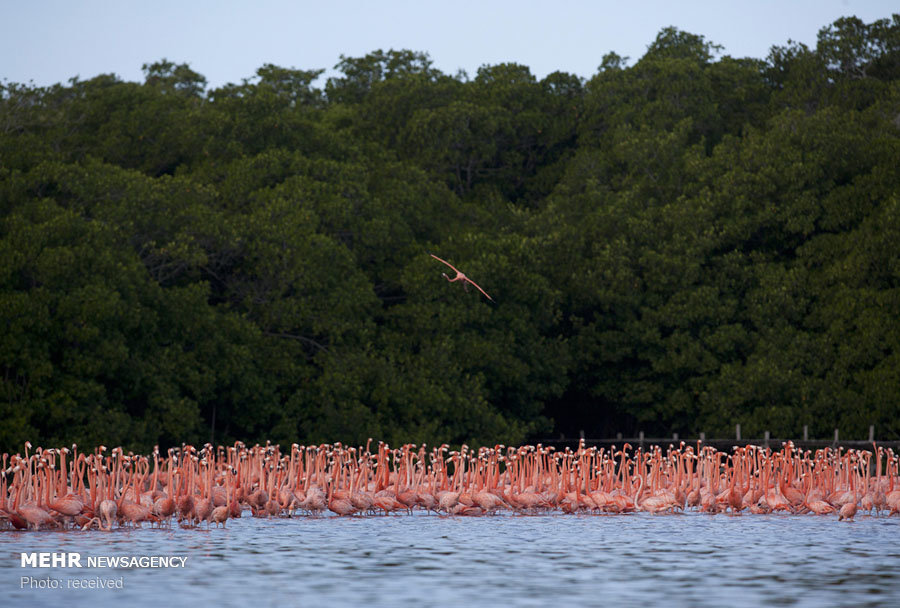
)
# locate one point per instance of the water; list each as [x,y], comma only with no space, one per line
[680,560]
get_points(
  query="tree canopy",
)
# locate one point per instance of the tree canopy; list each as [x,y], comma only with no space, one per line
[678,245]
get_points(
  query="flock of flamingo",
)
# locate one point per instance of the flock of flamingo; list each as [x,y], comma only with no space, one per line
[62,488]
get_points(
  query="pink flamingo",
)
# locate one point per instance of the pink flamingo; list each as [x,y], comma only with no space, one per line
[164,506]
[133,511]
[460,277]
[576,481]
[339,506]
[109,508]
[220,514]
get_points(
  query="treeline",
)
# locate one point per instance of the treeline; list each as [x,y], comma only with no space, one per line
[676,245]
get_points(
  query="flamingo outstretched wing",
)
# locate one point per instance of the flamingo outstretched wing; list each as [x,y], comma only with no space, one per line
[468,280]
[445,262]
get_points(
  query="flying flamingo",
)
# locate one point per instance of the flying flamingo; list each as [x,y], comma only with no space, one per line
[460,277]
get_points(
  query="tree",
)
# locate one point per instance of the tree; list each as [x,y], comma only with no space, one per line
[362,73]
[679,244]
[171,78]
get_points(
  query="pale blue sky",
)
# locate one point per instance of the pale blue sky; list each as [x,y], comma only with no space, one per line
[49,41]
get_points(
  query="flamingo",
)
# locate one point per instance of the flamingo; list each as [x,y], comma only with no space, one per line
[340,506]
[133,511]
[164,506]
[576,481]
[203,506]
[109,509]
[35,514]
[847,511]
[220,514]
[460,277]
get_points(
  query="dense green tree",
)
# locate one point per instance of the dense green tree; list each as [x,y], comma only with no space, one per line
[677,244]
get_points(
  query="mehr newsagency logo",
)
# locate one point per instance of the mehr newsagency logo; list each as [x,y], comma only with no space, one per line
[59,560]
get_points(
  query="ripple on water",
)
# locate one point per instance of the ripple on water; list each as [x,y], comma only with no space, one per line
[689,560]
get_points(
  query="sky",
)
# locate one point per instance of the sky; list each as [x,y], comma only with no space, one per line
[50,41]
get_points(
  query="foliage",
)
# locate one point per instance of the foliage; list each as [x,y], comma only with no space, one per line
[677,245]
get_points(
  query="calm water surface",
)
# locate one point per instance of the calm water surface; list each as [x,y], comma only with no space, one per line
[680,560]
